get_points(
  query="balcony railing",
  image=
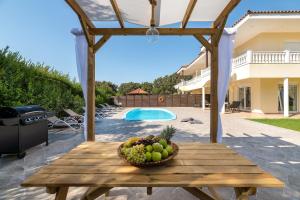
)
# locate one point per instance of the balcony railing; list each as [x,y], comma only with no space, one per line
[252,57]
[266,57]
[203,73]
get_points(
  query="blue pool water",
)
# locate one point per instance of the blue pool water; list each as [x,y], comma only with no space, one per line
[149,114]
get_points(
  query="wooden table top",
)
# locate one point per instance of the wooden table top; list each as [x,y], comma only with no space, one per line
[97,164]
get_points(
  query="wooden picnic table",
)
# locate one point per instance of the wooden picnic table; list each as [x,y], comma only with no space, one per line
[96,165]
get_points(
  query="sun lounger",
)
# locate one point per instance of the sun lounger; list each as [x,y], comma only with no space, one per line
[98,113]
[55,122]
[117,103]
[73,115]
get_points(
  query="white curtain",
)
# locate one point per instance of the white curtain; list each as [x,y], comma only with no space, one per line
[81,49]
[225,64]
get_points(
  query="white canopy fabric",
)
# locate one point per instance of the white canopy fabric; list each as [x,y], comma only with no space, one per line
[225,65]
[139,11]
[81,50]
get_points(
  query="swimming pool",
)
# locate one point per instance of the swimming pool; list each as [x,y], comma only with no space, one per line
[149,114]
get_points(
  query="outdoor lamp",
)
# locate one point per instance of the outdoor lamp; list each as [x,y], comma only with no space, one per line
[152,33]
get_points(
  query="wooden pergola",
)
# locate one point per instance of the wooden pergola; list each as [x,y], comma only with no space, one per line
[201,34]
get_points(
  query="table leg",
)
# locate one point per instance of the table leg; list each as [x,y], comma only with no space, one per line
[95,192]
[198,193]
[149,190]
[61,193]
[214,193]
[244,193]
[51,190]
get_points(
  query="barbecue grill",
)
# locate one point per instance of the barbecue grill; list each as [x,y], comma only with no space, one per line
[21,128]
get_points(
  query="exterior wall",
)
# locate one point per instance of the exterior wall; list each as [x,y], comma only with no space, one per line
[269,93]
[267,42]
[264,93]
[255,85]
[266,71]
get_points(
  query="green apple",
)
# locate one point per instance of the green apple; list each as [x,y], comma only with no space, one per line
[164,154]
[148,156]
[157,147]
[156,156]
[169,149]
[149,148]
[163,142]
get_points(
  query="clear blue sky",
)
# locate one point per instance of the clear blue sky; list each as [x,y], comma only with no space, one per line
[40,31]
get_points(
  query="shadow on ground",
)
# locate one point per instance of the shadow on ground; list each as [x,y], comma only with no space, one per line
[280,158]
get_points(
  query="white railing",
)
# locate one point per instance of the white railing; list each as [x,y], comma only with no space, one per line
[294,57]
[203,73]
[240,60]
[266,57]
[252,57]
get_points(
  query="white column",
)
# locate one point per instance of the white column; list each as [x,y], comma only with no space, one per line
[203,98]
[286,97]
[287,56]
[249,56]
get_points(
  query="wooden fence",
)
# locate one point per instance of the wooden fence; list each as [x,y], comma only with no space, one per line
[183,100]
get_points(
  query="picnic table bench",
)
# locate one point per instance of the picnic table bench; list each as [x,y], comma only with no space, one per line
[96,165]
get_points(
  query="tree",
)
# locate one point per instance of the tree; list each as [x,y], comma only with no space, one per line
[165,84]
[146,86]
[105,90]
[125,88]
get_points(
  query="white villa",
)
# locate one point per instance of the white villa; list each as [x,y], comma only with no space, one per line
[265,67]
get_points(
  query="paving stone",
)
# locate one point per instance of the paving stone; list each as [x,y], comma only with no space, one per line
[274,149]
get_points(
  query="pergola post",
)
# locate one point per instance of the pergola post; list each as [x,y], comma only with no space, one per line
[214,71]
[91,93]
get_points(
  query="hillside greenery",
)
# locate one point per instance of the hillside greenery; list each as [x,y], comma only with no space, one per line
[23,82]
[161,85]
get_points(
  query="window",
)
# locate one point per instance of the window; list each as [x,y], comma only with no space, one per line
[293,94]
[245,98]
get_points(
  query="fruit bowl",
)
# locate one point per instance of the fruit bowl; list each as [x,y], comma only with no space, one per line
[150,163]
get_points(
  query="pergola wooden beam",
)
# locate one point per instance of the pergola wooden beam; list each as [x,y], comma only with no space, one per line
[117,12]
[101,42]
[142,31]
[77,9]
[204,42]
[188,13]
[226,11]
[84,27]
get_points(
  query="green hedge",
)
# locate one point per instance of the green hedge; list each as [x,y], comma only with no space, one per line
[24,83]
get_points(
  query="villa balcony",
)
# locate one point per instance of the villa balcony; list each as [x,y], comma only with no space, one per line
[253,64]
[266,64]
[196,82]
[266,57]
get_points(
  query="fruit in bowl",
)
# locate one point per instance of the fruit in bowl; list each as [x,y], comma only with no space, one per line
[151,150]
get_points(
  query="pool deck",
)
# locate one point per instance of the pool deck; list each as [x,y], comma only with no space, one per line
[274,149]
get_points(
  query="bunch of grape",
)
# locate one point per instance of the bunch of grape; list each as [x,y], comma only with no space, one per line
[156,139]
[137,154]
[130,142]
[125,151]
[144,141]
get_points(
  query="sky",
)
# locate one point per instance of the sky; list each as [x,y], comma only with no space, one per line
[40,31]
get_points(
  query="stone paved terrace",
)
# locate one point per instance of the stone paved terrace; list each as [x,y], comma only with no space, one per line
[274,149]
